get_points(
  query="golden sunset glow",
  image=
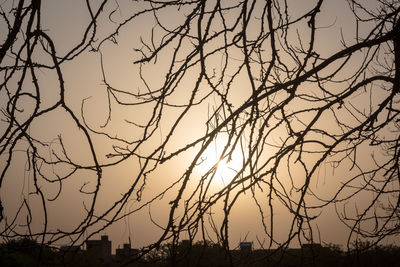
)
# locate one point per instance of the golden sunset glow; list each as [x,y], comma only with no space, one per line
[220,162]
[222,169]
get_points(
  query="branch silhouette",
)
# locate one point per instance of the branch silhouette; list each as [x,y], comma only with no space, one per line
[256,80]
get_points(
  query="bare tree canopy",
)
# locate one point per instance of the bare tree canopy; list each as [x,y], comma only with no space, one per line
[183,116]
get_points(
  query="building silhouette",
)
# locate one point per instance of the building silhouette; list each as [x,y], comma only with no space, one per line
[246,247]
[125,253]
[100,249]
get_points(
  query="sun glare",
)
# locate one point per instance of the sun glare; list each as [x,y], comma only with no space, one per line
[222,167]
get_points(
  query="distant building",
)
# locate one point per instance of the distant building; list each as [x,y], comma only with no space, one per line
[100,249]
[70,248]
[125,252]
[246,247]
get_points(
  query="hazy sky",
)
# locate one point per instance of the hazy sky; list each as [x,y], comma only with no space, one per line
[65,22]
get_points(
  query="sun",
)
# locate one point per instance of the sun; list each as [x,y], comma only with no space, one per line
[220,163]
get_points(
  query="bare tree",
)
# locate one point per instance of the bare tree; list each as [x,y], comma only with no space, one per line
[260,80]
